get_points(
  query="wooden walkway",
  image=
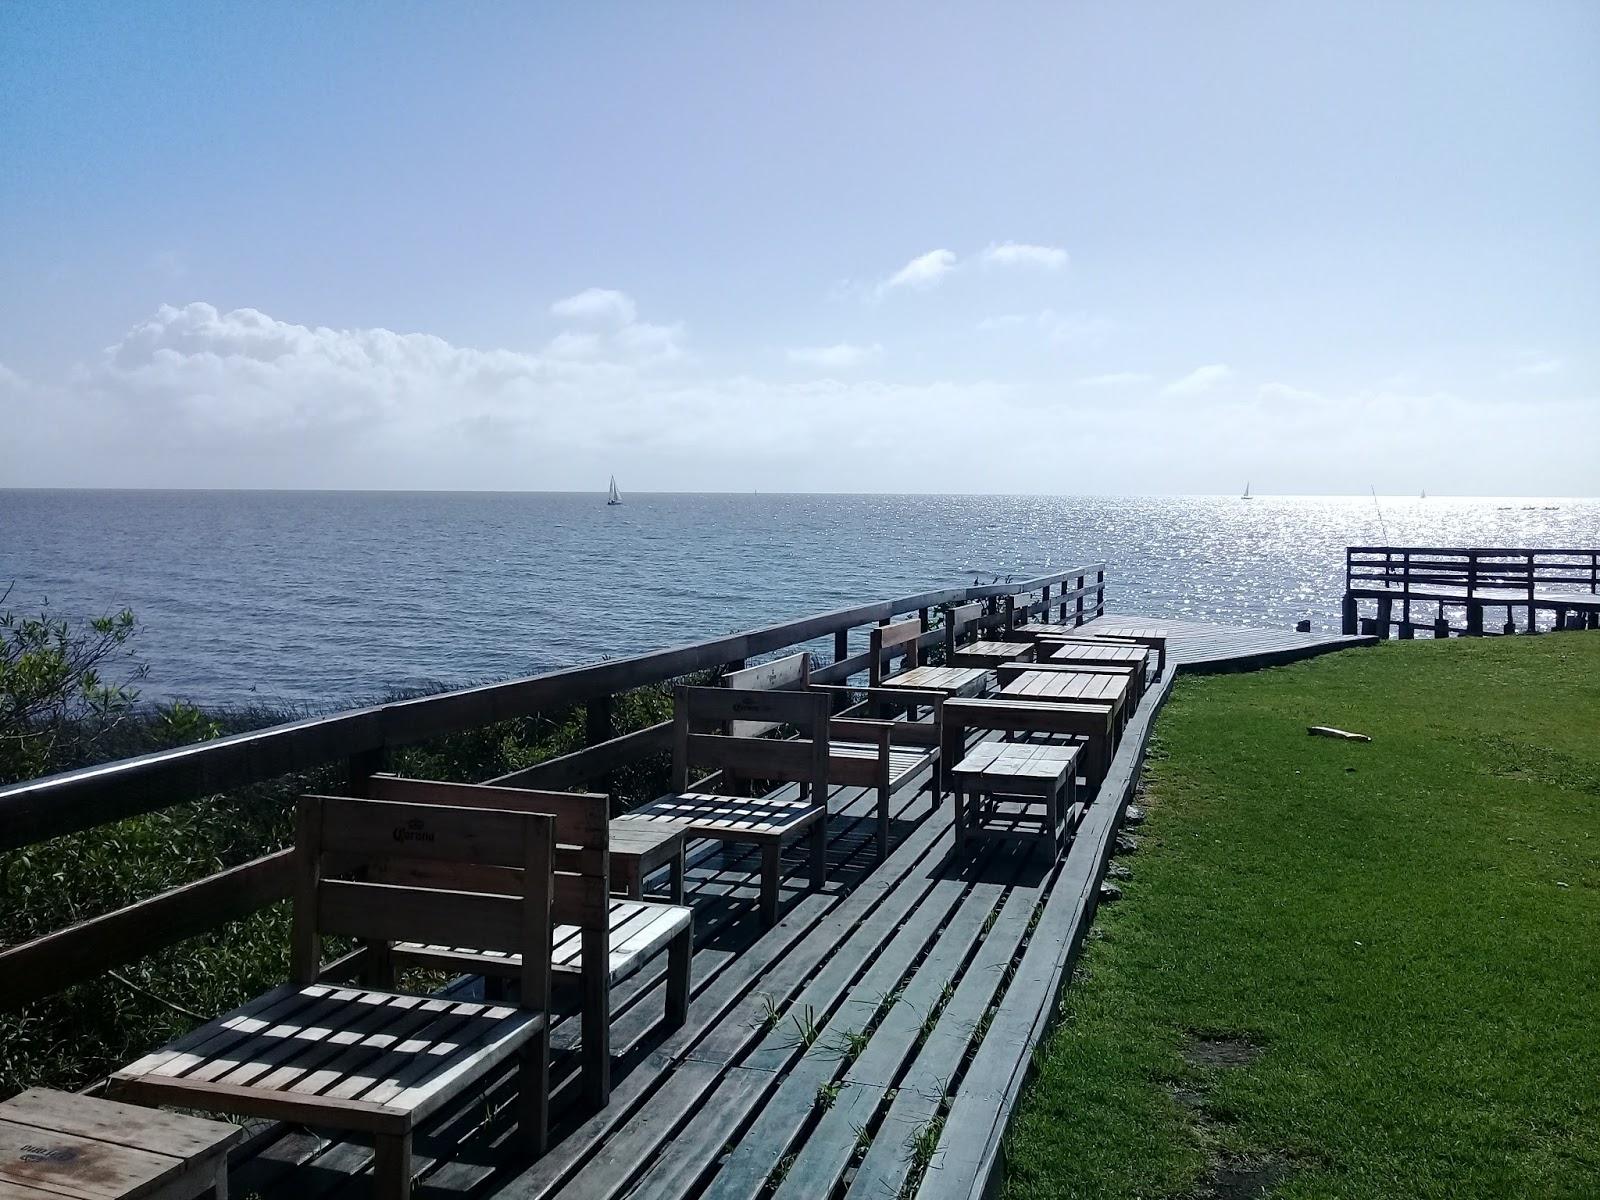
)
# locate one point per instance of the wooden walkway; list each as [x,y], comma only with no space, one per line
[871,1044]
[1199,647]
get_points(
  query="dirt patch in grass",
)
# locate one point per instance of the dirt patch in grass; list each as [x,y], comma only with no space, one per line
[1237,1179]
[1219,1050]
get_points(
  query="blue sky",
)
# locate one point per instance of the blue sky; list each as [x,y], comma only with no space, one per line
[1061,247]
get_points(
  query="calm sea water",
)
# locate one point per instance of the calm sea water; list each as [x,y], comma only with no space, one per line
[320,597]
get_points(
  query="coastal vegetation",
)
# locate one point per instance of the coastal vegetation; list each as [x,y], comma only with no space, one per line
[1342,969]
[69,698]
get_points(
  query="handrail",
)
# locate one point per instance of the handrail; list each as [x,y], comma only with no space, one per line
[1469,577]
[38,809]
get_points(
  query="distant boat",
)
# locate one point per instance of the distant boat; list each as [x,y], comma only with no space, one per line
[1424,493]
[1246,495]
[613,497]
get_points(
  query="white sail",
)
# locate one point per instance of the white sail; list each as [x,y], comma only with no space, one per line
[1246,495]
[612,496]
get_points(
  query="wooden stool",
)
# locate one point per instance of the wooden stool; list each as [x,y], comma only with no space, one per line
[640,848]
[60,1146]
[1010,782]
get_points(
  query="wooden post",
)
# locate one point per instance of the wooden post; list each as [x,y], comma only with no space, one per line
[1100,593]
[1385,615]
[360,768]
[1441,627]
[1348,624]
[841,645]
[1044,613]
[598,727]
[1077,612]
[1474,616]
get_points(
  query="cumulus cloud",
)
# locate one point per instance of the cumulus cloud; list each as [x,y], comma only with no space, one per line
[598,306]
[839,357]
[1114,379]
[1199,381]
[1022,254]
[921,272]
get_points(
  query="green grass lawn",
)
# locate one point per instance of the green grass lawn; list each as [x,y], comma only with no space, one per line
[1399,942]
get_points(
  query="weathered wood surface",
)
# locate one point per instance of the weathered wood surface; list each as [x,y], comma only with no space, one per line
[1197,647]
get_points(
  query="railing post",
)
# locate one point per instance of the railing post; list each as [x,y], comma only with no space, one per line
[841,645]
[359,769]
[1348,624]
[598,727]
[1385,615]
[1044,613]
[1077,608]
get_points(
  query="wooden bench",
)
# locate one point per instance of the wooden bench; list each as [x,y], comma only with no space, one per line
[1092,725]
[601,940]
[901,639]
[710,731]
[877,754]
[371,1061]
[60,1146]
[962,650]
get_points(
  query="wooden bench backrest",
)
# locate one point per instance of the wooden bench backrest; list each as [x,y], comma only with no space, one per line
[702,715]
[957,619]
[1012,716]
[788,674]
[583,841]
[516,848]
[885,641]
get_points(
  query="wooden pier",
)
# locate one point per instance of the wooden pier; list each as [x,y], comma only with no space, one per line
[870,1043]
[1412,589]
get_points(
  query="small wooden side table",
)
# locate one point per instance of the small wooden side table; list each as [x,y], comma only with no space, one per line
[60,1146]
[639,848]
[1015,790]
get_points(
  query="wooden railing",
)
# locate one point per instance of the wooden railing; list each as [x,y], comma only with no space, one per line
[1564,583]
[359,739]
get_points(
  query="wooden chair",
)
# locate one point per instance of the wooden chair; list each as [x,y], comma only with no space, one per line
[370,1061]
[712,731]
[861,752]
[902,639]
[964,649]
[601,939]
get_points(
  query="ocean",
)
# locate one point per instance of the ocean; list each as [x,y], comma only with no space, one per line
[317,599]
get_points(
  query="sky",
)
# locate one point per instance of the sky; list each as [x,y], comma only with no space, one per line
[1053,248]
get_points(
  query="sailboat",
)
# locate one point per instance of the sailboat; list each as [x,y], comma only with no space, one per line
[613,497]
[1424,493]
[1246,495]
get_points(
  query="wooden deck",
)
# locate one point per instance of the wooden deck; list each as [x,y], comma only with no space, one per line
[1199,647]
[871,1044]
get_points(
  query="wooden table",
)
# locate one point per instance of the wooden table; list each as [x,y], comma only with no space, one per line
[639,849]
[58,1146]
[988,654]
[1153,636]
[1100,653]
[1073,687]
[952,681]
[1000,786]
[1092,725]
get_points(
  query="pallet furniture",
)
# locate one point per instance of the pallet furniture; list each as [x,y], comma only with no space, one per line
[1055,682]
[902,639]
[372,1061]
[962,649]
[1154,636]
[1099,654]
[711,729]
[878,754]
[1016,790]
[638,851]
[1091,725]
[600,940]
[60,1146]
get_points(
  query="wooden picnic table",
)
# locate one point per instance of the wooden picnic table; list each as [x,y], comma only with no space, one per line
[1073,687]
[57,1146]
[639,849]
[1154,636]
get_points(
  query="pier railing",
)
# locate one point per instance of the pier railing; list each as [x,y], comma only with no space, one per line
[1402,583]
[359,739]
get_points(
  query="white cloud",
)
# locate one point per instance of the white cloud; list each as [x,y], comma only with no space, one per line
[921,272]
[839,357]
[1199,381]
[1067,329]
[1115,379]
[599,306]
[1536,365]
[1021,254]
[1283,391]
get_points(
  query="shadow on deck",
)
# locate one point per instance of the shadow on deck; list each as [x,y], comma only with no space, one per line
[871,1044]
